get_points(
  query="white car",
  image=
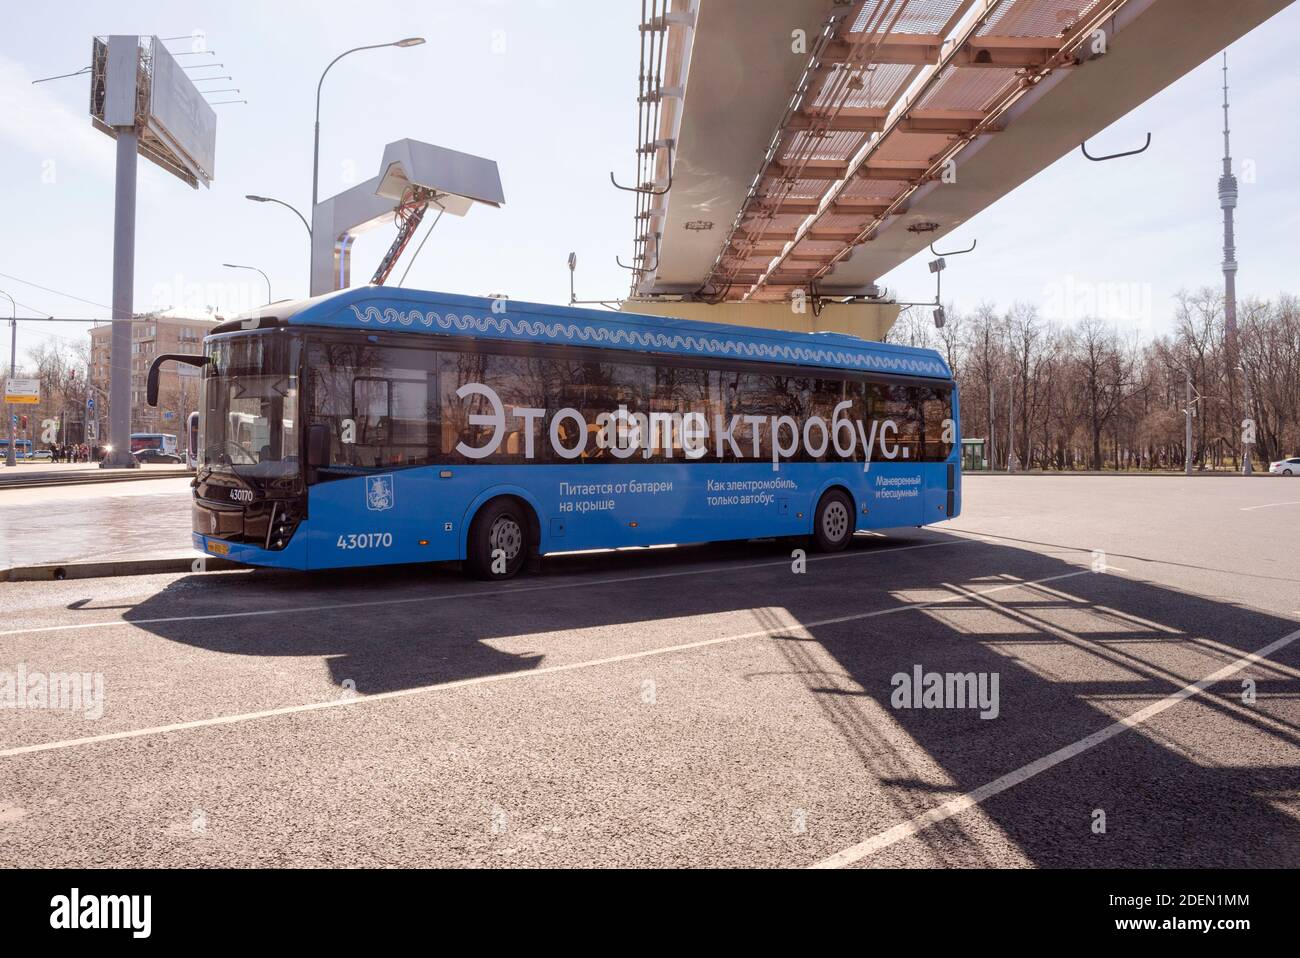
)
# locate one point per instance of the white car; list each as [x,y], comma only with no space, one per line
[1286,467]
[42,455]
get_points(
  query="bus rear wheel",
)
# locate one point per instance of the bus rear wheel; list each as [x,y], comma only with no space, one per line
[833,521]
[498,540]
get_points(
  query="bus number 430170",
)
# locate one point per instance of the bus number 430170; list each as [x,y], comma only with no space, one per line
[366,540]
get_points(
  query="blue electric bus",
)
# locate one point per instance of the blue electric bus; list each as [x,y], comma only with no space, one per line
[382,425]
[22,448]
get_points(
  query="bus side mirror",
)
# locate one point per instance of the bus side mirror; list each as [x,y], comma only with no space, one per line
[318,445]
[151,382]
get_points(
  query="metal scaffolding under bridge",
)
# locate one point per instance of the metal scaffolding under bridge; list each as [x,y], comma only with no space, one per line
[815,145]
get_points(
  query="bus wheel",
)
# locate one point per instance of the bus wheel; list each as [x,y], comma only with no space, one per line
[498,540]
[833,521]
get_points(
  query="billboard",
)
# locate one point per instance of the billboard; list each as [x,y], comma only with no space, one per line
[180,116]
[136,82]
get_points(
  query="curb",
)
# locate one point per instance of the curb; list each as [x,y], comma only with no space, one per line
[49,480]
[99,570]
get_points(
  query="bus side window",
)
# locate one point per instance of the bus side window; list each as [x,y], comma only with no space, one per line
[818,397]
[936,410]
[750,394]
[868,406]
[380,403]
[517,382]
[677,391]
[902,408]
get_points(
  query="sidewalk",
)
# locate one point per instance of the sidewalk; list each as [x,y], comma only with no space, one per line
[147,519]
[29,473]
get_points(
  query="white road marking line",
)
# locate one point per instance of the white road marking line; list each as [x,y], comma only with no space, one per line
[486,592]
[509,676]
[1269,505]
[962,803]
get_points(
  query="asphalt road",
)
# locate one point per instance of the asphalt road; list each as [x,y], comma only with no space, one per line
[701,706]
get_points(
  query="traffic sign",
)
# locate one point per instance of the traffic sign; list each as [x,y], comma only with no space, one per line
[23,391]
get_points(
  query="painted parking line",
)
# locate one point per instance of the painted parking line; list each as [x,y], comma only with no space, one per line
[1270,505]
[356,700]
[962,803]
[485,592]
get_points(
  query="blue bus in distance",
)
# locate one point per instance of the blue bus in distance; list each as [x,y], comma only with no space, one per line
[22,448]
[381,425]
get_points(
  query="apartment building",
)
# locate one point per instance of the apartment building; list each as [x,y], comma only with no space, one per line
[178,385]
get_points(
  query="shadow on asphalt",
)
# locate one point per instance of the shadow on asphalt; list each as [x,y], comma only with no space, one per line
[1072,655]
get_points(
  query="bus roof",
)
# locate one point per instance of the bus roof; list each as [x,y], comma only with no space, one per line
[417,311]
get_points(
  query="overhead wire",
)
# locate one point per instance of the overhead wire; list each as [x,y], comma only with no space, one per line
[56,292]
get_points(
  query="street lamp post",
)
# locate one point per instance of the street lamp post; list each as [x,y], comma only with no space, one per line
[307,226]
[256,270]
[315,158]
[270,199]
[10,458]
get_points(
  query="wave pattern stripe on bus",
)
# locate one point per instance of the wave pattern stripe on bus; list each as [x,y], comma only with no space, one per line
[570,331]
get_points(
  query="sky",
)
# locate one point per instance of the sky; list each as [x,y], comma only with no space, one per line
[547,88]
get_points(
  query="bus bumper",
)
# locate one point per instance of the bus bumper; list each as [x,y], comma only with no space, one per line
[292,556]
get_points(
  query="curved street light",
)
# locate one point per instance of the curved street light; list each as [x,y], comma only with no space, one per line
[315,160]
[270,199]
[256,270]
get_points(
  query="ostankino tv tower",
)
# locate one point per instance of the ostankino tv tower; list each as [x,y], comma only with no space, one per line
[1228,202]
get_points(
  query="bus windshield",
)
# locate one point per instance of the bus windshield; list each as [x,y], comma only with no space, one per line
[250,412]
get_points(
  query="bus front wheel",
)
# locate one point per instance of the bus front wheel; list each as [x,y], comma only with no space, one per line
[498,540]
[833,521]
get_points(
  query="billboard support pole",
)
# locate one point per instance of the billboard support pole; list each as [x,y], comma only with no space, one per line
[119,429]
